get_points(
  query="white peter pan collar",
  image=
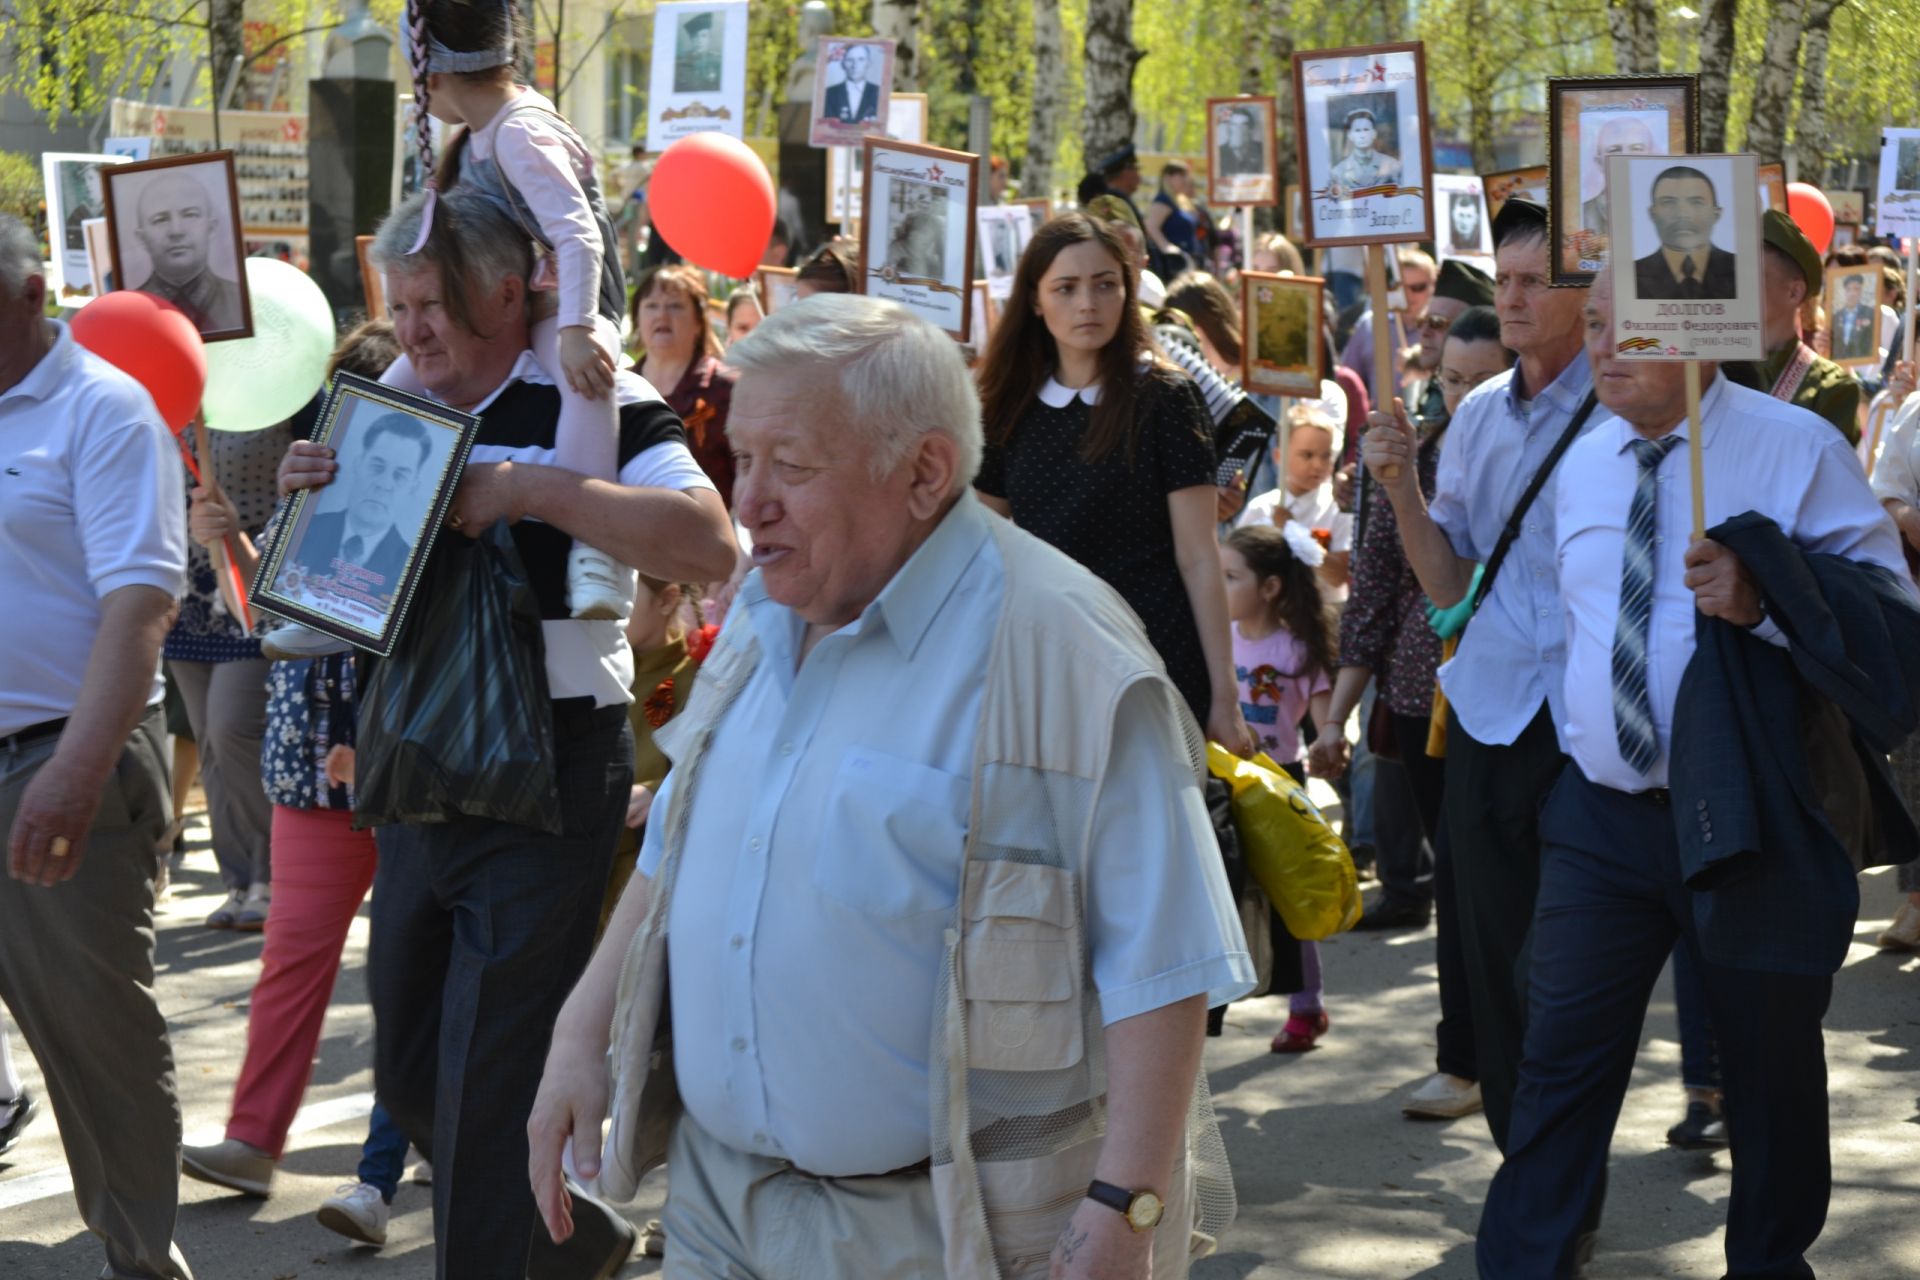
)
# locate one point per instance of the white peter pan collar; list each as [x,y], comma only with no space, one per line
[1056,396]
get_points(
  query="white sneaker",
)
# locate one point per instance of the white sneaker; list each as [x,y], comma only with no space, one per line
[1443,1097]
[285,644]
[1904,933]
[357,1212]
[598,586]
[422,1175]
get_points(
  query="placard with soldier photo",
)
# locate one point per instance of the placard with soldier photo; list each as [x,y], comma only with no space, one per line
[1281,349]
[1529,183]
[1466,230]
[1361,118]
[846,176]
[698,82]
[174,231]
[1854,318]
[1240,152]
[1896,206]
[1005,230]
[1685,257]
[778,287]
[917,240]
[1848,206]
[75,195]
[1589,121]
[852,85]
[348,556]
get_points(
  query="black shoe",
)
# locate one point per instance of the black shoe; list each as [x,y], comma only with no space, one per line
[20,1113]
[1217,1021]
[1388,913]
[600,1245]
[1700,1131]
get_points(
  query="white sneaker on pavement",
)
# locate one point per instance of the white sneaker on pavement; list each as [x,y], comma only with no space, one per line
[1443,1097]
[357,1211]
[1904,933]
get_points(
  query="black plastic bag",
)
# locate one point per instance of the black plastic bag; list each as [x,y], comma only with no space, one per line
[458,720]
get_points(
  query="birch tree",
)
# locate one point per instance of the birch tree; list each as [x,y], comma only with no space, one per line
[1108,120]
[1635,28]
[1811,145]
[1049,99]
[899,21]
[1716,67]
[1773,87]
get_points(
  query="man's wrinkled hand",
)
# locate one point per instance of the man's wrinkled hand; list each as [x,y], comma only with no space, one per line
[569,1106]
[486,494]
[1099,1244]
[50,827]
[1721,585]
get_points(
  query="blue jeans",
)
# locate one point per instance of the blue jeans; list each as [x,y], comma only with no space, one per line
[383,1154]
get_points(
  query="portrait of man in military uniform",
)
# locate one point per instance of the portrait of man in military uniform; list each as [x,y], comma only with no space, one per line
[696,58]
[175,233]
[855,98]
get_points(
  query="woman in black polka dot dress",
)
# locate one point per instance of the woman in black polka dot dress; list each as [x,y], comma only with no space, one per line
[1104,449]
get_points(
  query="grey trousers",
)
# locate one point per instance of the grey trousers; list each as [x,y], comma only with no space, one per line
[227,706]
[76,970]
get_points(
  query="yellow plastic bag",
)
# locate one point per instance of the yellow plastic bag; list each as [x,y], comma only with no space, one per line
[1303,867]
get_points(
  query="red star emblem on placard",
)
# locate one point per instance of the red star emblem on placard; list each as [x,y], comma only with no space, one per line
[292,131]
[159,123]
[1379,73]
[933,173]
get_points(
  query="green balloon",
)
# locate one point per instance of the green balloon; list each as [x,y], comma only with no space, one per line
[258,382]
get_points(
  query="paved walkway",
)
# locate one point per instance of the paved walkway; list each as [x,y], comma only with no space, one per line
[1333,1182]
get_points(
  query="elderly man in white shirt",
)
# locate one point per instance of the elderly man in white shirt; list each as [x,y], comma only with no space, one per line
[93,555]
[945,856]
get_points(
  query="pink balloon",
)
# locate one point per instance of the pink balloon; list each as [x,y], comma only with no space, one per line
[712,199]
[151,340]
[1807,206]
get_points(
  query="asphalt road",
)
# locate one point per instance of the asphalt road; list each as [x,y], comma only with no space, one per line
[1333,1182]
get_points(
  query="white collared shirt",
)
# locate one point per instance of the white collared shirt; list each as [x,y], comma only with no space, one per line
[90,501]
[807,931]
[1759,454]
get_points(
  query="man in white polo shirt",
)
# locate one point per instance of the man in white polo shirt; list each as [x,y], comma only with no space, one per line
[93,553]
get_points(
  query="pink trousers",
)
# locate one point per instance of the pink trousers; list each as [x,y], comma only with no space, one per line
[322,869]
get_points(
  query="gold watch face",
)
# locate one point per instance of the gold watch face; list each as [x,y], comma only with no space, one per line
[1144,1213]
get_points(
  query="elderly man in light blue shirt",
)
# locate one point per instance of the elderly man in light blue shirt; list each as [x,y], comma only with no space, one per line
[842,844]
[1504,683]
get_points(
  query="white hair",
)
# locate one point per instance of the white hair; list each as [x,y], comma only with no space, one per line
[898,376]
[19,255]
[474,243]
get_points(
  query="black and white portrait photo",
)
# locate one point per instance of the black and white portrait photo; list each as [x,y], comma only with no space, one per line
[917,242]
[1686,257]
[351,551]
[852,83]
[1361,118]
[1465,231]
[1240,151]
[1004,232]
[75,195]
[696,57]
[175,233]
[697,81]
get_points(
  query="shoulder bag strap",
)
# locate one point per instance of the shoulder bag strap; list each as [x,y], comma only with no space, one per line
[1540,477]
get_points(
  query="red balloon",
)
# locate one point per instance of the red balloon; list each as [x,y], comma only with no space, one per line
[153,341]
[712,199]
[1807,206]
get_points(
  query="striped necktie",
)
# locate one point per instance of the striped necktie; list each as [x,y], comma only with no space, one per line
[1632,713]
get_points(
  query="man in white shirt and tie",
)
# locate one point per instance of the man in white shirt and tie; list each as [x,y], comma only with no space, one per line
[1613,903]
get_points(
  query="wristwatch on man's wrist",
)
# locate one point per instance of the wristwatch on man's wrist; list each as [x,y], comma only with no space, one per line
[1141,1209]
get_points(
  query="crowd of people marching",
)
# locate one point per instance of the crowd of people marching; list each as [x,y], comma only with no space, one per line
[952,623]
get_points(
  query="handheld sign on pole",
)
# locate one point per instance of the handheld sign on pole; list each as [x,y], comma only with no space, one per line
[1684,255]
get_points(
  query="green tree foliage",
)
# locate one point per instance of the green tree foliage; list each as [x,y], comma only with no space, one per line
[20,190]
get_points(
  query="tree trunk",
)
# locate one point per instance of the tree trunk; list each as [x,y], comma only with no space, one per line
[1110,58]
[1716,66]
[1635,28]
[1280,48]
[226,41]
[1810,142]
[899,21]
[1773,89]
[1049,99]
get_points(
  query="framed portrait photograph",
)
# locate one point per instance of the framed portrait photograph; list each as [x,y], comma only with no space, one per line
[348,556]
[373,287]
[1589,121]
[1241,151]
[1281,350]
[1004,231]
[1529,184]
[698,81]
[1773,187]
[777,287]
[76,195]
[916,242]
[1845,233]
[1853,315]
[1361,116]
[99,255]
[409,175]
[1848,206]
[847,166]
[1896,205]
[1686,257]
[1465,230]
[853,80]
[1041,207]
[173,228]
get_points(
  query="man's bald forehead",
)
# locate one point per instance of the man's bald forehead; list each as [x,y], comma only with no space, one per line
[176,188]
[1621,130]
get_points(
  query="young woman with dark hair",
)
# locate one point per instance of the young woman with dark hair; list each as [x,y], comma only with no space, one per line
[1100,446]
